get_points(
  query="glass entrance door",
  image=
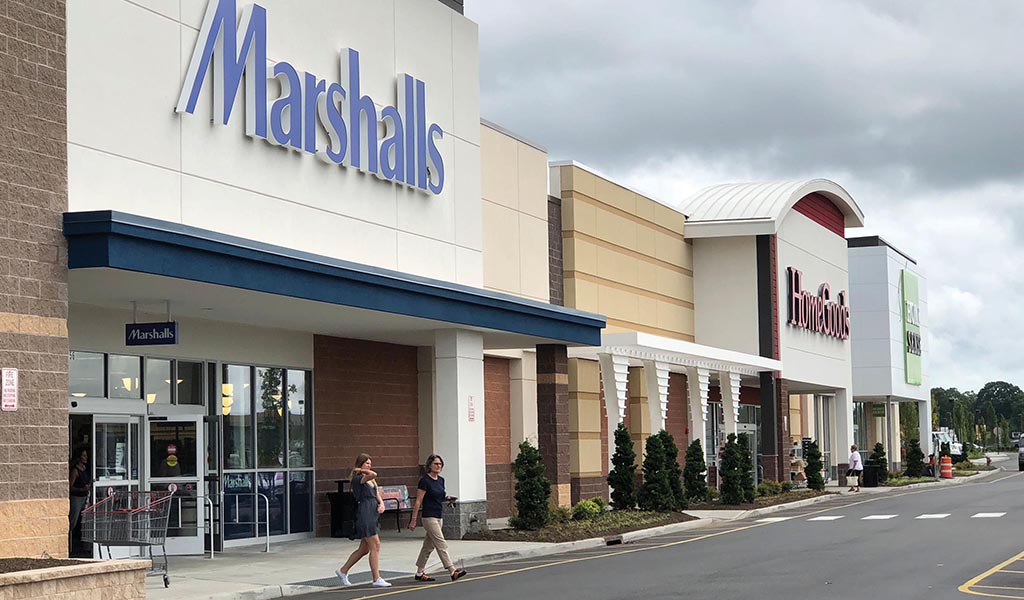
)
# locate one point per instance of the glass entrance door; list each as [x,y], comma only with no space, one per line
[115,461]
[823,430]
[174,457]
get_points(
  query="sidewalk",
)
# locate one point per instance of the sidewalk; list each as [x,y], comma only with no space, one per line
[301,567]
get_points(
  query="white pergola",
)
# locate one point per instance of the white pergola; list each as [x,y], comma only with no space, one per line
[660,356]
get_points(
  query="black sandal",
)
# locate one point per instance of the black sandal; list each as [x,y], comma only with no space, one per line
[423,577]
[457,574]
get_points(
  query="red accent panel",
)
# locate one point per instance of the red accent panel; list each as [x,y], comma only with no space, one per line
[776,351]
[822,211]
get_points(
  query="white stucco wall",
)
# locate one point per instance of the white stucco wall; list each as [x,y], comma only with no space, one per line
[725,293]
[821,255]
[879,367]
[129,151]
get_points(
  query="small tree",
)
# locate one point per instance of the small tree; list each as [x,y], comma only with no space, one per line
[622,476]
[915,459]
[737,476]
[879,459]
[533,490]
[694,476]
[656,492]
[815,480]
[675,472]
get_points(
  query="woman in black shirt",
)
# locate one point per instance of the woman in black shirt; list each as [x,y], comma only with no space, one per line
[429,495]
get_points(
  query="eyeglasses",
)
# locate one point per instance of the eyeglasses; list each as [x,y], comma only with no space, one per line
[437,464]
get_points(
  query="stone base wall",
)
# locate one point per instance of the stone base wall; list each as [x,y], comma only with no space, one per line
[31,527]
[121,579]
[463,518]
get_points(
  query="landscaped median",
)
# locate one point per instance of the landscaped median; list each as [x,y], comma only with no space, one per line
[65,579]
[608,524]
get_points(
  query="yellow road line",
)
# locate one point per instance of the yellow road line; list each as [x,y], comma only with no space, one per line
[678,543]
[999,587]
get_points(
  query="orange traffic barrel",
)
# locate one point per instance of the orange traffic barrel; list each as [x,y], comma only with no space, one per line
[946,467]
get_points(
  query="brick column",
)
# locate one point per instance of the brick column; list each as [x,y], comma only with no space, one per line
[33,278]
[553,418]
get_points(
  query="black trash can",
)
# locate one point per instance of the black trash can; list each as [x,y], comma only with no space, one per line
[870,475]
[343,514]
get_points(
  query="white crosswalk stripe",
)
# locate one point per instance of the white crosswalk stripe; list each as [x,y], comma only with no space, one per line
[878,517]
[988,515]
[826,518]
[933,516]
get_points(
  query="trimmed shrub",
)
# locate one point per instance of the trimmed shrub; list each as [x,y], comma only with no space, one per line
[879,459]
[769,488]
[586,510]
[656,491]
[622,476]
[560,514]
[672,468]
[695,479]
[737,475]
[600,502]
[533,490]
[915,459]
[815,480]
[786,486]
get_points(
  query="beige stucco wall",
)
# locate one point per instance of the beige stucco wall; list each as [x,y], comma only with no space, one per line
[625,256]
[515,215]
[584,419]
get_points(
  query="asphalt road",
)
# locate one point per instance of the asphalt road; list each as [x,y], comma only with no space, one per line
[900,557]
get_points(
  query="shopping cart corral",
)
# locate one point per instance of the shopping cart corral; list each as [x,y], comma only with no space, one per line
[134,519]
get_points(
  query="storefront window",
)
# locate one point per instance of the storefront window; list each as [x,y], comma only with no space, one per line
[300,420]
[85,375]
[190,382]
[236,402]
[158,381]
[300,505]
[125,376]
[270,418]
[274,487]
[239,506]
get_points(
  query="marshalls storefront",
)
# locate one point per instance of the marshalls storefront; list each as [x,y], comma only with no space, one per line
[275,237]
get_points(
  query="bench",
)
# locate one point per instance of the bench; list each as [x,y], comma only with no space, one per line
[396,500]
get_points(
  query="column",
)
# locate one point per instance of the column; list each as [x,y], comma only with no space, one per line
[614,375]
[427,415]
[553,418]
[586,466]
[523,408]
[924,426]
[697,383]
[843,438]
[895,435]
[459,418]
[729,384]
[656,378]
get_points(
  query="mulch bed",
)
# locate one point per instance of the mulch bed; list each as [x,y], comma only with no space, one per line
[608,524]
[761,501]
[11,565]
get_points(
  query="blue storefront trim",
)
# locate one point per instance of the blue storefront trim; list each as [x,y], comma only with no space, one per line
[110,239]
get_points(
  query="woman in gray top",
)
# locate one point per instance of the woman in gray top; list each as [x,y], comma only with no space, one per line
[369,506]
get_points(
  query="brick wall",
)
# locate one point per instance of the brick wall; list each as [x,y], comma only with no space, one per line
[497,407]
[33,277]
[365,400]
[556,276]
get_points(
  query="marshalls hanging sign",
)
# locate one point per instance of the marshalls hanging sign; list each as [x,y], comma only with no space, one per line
[343,117]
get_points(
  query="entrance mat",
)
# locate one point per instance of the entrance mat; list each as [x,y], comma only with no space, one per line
[357,579]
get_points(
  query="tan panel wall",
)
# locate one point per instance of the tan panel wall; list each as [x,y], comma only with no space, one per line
[514,213]
[639,416]
[625,257]
[584,418]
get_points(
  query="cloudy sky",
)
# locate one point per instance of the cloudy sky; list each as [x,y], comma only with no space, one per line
[914,107]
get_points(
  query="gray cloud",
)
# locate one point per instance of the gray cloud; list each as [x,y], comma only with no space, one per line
[912,106]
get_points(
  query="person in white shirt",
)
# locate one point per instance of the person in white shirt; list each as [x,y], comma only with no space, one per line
[856,468]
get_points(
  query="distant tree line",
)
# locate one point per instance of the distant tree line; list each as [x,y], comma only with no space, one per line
[985,417]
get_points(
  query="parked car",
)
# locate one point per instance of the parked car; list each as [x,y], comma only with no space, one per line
[1020,459]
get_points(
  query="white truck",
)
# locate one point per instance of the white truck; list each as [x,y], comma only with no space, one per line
[944,435]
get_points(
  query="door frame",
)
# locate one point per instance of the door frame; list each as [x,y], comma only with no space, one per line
[183,545]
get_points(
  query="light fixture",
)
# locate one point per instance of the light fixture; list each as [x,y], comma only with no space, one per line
[150,398]
[78,394]
[227,389]
[168,381]
[127,382]
[226,411]
[279,412]
[227,401]
[276,397]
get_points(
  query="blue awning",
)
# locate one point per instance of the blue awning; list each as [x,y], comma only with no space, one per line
[115,240]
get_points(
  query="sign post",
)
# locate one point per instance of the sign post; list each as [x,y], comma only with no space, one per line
[9,394]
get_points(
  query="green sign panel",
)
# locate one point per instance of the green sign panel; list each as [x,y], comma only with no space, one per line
[877,410]
[911,328]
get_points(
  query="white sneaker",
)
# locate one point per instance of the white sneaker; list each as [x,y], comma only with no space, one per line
[380,583]
[343,577]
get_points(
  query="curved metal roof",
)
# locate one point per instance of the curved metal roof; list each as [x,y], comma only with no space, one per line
[760,206]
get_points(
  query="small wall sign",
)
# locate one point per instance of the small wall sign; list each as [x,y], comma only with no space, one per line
[151,334]
[9,394]
[472,409]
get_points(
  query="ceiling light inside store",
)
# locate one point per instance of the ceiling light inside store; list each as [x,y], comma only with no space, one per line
[227,389]
[226,411]
[150,398]
[78,394]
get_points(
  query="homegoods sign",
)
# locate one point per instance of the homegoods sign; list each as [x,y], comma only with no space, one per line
[310,107]
[818,313]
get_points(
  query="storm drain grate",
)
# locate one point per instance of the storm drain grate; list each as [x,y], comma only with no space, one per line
[357,579]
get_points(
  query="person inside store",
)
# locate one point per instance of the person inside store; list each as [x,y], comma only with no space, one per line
[369,507]
[79,490]
[430,494]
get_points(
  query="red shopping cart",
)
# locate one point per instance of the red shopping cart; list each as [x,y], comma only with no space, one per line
[133,519]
